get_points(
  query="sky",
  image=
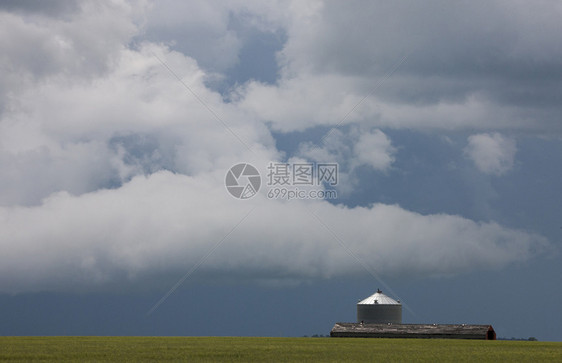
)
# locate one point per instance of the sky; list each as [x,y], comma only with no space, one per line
[119,121]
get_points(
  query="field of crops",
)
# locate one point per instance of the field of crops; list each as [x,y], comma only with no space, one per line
[235,349]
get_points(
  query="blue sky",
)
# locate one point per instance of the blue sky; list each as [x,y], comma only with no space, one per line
[119,121]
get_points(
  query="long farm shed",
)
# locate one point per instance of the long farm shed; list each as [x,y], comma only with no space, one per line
[427,331]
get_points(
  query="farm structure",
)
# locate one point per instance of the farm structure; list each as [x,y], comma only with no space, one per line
[379,309]
[428,331]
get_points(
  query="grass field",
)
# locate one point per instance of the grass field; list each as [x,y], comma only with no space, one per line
[234,349]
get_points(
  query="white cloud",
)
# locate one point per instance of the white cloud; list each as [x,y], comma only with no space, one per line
[491,153]
[351,150]
[165,223]
[374,149]
[67,132]
[354,148]
[82,45]
[306,101]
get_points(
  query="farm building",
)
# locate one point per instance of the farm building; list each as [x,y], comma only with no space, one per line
[436,331]
[379,309]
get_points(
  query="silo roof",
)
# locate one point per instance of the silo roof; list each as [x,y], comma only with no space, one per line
[379,298]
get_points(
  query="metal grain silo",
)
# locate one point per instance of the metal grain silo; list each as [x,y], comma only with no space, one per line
[379,309]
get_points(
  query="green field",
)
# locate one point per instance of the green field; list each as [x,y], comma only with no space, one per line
[234,349]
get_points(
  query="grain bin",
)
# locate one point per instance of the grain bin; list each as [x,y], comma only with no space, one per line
[379,309]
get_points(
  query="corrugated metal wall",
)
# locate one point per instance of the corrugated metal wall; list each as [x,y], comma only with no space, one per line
[379,314]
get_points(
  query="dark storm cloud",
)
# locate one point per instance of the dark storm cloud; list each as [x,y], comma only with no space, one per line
[510,52]
[54,8]
[432,65]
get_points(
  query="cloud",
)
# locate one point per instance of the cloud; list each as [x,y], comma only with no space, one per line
[374,149]
[351,150]
[113,170]
[55,8]
[419,66]
[491,153]
[80,136]
[37,45]
[163,224]
[212,33]
[197,28]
